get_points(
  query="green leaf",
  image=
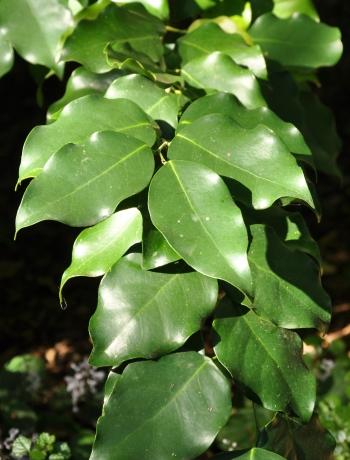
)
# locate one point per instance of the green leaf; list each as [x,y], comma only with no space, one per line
[267,360]
[228,77]
[111,382]
[253,454]
[118,26]
[21,447]
[83,184]
[226,104]
[294,440]
[287,287]
[149,415]
[156,102]
[297,41]
[256,158]
[81,83]
[200,221]
[210,38]
[99,247]
[156,251]
[286,8]
[34,28]
[143,314]
[6,53]
[159,8]
[77,121]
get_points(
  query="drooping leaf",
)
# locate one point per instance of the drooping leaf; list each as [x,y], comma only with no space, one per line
[144,314]
[98,248]
[200,221]
[226,104]
[253,454]
[120,26]
[156,251]
[138,423]
[295,441]
[83,184]
[6,53]
[218,71]
[77,121]
[267,360]
[81,83]
[286,8]
[210,38]
[298,41]
[34,28]
[157,103]
[159,8]
[287,287]
[256,158]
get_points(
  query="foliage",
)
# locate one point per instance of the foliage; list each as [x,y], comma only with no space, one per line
[187,142]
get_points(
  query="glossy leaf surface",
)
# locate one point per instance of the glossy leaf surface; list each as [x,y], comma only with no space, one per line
[77,121]
[228,77]
[267,360]
[254,157]
[297,41]
[226,104]
[34,27]
[83,184]
[6,54]
[200,221]
[119,26]
[159,8]
[151,98]
[287,287]
[156,251]
[143,314]
[286,8]
[135,414]
[210,38]
[99,247]
[253,454]
[295,441]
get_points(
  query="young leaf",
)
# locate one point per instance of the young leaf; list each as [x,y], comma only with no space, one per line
[226,104]
[267,360]
[287,287]
[83,184]
[210,38]
[156,251]
[191,206]
[34,27]
[116,25]
[218,71]
[254,157]
[142,314]
[297,41]
[99,247]
[138,423]
[289,437]
[151,98]
[76,122]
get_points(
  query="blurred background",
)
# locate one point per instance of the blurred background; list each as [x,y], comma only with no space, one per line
[46,384]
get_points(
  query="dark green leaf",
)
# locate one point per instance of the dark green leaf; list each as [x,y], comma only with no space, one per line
[157,103]
[267,360]
[34,27]
[143,314]
[297,41]
[117,26]
[153,412]
[256,158]
[83,184]
[210,38]
[295,441]
[99,247]
[156,251]
[253,454]
[191,206]
[77,121]
[218,71]
[287,287]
